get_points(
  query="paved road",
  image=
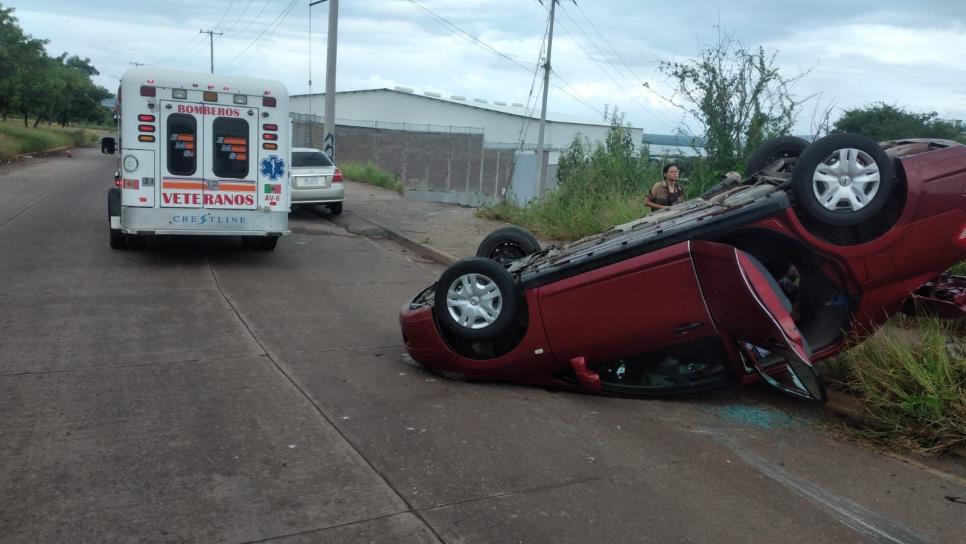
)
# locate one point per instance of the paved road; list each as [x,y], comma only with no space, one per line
[194,391]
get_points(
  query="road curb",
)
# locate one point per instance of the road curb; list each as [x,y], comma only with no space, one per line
[422,249]
[33,154]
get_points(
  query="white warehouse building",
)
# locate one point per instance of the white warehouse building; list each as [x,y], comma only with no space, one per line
[502,124]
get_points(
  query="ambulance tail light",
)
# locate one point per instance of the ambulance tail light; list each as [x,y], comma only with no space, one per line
[147,90]
[269,136]
[269,146]
[145,118]
[269,127]
[268,101]
[337,178]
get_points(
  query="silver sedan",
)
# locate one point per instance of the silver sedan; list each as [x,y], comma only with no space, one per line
[316,180]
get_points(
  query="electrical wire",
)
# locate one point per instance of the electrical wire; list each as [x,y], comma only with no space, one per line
[257,17]
[617,55]
[239,18]
[464,34]
[273,27]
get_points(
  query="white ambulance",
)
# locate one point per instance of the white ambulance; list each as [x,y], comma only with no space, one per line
[199,154]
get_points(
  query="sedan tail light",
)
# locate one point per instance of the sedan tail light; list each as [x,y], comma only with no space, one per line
[337,178]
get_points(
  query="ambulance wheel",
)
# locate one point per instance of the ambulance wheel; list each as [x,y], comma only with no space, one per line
[136,241]
[264,243]
[118,239]
[268,243]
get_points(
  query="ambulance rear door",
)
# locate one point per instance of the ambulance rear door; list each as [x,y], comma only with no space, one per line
[230,166]
[182,176]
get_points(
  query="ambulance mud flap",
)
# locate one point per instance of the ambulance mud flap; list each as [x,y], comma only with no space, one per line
[114,207]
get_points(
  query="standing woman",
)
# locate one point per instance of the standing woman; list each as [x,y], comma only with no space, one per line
[667,192]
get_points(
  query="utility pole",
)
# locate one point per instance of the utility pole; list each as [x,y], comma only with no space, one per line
[211,39]
[330,58]
[541,182]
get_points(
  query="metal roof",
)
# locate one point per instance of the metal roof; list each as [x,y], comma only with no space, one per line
[478,103]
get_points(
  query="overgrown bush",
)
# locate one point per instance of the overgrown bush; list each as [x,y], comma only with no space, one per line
[910,379]
[371,174]
[599,186]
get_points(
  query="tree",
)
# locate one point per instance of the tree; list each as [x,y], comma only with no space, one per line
[738,95]
[49,89]
[881,121]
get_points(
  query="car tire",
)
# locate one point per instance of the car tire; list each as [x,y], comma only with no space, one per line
[825,180]
[118,239]
[335,208]
[476,299]
[508,244]
[783,147]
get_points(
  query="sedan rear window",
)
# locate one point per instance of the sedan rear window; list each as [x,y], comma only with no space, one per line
[310,158]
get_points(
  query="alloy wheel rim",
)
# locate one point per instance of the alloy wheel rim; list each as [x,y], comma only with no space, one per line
[474,301]
[847,180]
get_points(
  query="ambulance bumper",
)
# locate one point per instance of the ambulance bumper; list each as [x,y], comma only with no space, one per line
[194,221]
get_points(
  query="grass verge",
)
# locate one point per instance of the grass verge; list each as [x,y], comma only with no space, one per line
[910,380]
[371,174]
[16,139]
[559,216]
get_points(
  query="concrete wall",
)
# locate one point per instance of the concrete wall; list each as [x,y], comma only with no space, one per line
[424,161]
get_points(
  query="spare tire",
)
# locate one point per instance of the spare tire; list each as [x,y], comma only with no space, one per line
[783,147]
[476,299]
[508,244]
[843,179]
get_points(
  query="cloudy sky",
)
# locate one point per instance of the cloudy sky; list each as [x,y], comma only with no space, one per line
[912,54]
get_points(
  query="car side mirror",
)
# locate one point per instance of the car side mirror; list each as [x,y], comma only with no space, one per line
[107,145]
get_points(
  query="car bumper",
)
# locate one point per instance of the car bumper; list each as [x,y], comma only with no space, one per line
[328,195]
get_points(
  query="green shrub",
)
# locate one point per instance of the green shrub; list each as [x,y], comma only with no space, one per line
[959,269]
[371,174]
[910,379]
[600,186]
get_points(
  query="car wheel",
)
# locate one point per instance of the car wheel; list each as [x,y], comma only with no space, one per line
[476,299]
[118,239]
[335,208]
[508,244]
[784,147]
[843,179]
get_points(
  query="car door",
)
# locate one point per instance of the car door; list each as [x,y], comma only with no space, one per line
[747,304]
[638,326]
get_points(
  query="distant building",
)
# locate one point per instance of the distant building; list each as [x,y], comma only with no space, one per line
[503,125]
[672,145]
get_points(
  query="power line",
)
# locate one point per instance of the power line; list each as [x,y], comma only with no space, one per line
[628,76]
[257,17]
[240,15]
[227,11]
[473,39]
[273,26]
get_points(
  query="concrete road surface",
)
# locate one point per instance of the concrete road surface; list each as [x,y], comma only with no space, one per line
[193,391]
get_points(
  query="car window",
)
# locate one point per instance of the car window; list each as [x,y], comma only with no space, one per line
[310,158]
[182,130]
[231,148]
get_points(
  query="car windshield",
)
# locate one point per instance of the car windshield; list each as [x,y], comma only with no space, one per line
[310,158]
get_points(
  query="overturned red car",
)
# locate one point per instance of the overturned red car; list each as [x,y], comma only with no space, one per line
[819,245]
